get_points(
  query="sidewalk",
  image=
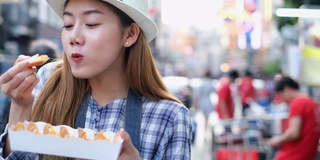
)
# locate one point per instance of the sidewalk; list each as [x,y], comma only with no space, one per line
[201,149]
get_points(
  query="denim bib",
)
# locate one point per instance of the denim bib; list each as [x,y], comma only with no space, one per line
[132,118]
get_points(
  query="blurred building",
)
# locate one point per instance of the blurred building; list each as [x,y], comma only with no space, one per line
[25,20]
[216,34]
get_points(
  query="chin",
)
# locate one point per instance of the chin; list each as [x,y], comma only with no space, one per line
[80,75]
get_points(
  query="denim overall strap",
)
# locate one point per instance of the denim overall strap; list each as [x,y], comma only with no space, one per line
[132,118]
[82,112]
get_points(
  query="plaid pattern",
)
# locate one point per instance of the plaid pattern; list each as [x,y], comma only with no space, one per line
[165,127]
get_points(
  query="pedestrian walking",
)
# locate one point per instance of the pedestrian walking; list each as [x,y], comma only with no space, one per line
[225,106]
[202,99]
[246,91]
[106,81]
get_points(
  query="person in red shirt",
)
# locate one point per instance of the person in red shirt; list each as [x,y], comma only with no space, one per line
[300,139]
[246,91]
[225,100]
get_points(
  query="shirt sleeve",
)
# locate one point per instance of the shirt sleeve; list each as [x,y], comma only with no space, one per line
[179,144]
[14,155]
[43,74]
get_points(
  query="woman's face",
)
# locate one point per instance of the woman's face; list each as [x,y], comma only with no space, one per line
[92,38]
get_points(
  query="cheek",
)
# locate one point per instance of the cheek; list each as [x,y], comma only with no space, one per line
[64,40]
[286,97]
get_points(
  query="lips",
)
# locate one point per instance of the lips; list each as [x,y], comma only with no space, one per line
[76,57]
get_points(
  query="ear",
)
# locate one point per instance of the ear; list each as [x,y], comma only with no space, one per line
[131,34]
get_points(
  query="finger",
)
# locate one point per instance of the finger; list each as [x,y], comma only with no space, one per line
[17,80]
[27,85]
[127,143]
[32,86]
[20,77]
[7,76]
[128,150]
[124,135]
[21,57]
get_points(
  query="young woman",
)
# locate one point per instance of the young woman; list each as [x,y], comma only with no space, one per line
[107,71]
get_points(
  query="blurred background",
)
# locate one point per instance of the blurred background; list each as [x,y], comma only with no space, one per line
[266,37]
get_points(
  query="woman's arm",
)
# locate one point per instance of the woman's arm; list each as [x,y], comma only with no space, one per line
[179,143]
[18,83]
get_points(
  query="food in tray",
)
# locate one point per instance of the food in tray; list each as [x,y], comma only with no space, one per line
[82,134]
[32,127]
[18,127]
[99,136]
[48,129]
[116,138]
[62,132]
[38,60]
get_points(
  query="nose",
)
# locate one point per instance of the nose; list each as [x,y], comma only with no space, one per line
[76,36]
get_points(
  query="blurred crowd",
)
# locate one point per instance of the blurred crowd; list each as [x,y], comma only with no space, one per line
[247,111]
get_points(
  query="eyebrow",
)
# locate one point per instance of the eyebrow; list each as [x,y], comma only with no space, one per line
[66,13]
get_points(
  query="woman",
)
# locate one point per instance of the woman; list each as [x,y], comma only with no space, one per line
[203,97]
[106,60]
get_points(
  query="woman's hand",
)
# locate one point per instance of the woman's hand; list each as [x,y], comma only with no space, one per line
[128,152]
[19,81]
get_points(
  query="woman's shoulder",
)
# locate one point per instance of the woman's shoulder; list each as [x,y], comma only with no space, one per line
[164,107]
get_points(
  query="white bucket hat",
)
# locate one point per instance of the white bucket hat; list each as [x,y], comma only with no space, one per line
[136,9]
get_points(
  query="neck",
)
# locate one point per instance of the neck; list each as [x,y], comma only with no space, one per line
[109,88]
[296,94]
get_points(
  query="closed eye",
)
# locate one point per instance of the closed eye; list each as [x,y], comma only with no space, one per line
[92,25]
[67,26]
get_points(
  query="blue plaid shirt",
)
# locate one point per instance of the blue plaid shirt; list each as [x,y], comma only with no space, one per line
[165,126]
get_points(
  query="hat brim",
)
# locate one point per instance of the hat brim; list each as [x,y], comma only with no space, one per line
[148,27]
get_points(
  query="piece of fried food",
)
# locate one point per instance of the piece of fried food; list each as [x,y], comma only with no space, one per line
[116,138]
[99,136]
[18,127]
[32,127]
[82,134]
[48,129]
[64,133]
[38,60]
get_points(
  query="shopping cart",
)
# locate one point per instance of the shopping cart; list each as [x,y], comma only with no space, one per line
[240,139]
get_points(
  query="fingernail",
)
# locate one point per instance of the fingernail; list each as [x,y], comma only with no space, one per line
[122,130]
